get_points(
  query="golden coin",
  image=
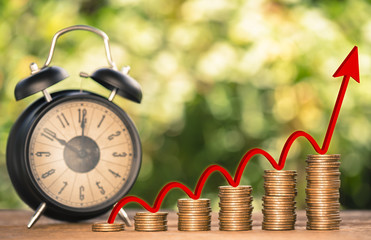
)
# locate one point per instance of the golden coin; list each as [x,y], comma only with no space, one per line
[279,201]
[232,228]
[151,229]
[324,156]
[280,172]
[150,222]
[323,183]
[194,215]
[193,229]
[107,227]
[239,187]
[193,201]
[235,208]
[151,214]
[182,219]
[278,198]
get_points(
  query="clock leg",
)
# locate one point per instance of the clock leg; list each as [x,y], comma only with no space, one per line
[37,215]
[112,95]
[124,216]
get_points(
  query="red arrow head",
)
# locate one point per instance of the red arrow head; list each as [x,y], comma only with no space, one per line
[350,66]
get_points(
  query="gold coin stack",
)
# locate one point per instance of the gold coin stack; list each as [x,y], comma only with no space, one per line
[235,208]
[107,227]
[323,183]
[150,222]
[279,200]
[194,215]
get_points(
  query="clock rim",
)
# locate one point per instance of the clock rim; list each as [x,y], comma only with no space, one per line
[32,194]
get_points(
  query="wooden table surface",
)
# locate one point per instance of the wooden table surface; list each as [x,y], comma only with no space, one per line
[355,225]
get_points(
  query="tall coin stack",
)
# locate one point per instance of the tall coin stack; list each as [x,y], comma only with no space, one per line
[194,215]
[150,222]
[323,183]
[279,200]
[235,208]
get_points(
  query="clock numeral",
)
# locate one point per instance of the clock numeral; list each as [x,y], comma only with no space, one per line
[63,120]
[48,173]
[81,114]
[114,173]
[100,123]
[64,186]
[51,139]
[49,134]
[82,196]
[112,136]
[43,154]
[102,191]
[116,154]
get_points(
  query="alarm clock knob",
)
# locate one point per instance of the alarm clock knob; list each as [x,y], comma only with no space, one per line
[126,70]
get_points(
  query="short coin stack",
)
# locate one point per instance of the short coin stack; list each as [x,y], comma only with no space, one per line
[194,215]
[107,227]
[235,208]
[323,183]
[150,222]
[279,200]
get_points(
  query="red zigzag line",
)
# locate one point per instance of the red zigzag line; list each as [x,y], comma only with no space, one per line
[241,167]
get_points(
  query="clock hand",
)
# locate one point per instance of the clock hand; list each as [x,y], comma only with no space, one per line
[64,143]
[61,141]
[83,124]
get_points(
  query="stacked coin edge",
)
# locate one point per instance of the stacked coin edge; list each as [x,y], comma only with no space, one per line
[322,192]
[235,208]
[279,200]
[194,215]
[150,222]
[107,227]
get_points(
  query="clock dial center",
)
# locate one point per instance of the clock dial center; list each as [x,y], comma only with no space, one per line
[81,154]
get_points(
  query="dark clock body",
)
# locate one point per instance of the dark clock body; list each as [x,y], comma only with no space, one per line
[79,154]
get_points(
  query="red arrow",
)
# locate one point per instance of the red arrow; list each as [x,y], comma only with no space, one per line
[349,68]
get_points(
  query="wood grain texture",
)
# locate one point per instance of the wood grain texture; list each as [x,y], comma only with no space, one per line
[355,225]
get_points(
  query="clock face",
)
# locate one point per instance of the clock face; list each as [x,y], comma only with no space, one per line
[80,153]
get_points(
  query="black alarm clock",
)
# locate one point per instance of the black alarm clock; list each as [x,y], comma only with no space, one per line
[73,154]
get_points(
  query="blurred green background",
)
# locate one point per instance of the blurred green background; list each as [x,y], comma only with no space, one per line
[219,77]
